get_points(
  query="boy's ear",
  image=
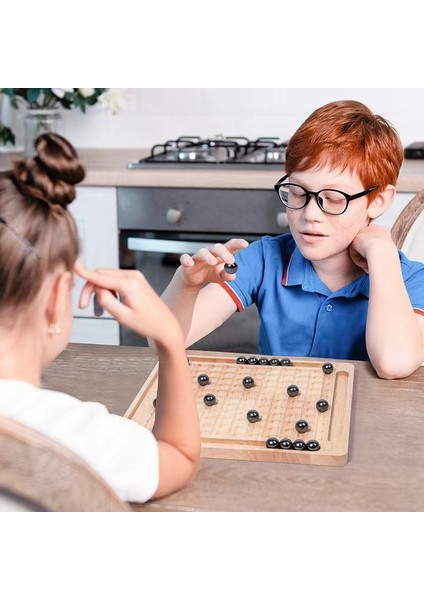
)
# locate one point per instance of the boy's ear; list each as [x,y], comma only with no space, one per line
[381,202]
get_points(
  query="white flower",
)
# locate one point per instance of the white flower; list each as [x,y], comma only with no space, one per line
[60,92]
[86,92]
[114,99]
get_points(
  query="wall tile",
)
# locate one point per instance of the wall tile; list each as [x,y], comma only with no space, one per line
[154,115]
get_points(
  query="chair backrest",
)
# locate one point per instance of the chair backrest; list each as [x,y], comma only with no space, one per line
[46,474]
[408,229]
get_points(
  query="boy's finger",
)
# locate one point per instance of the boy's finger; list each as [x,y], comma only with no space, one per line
[236,244]
[186,260]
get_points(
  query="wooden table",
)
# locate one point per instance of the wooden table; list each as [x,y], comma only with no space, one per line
[385,471]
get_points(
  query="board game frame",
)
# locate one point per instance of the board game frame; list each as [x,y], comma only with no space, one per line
[231,436]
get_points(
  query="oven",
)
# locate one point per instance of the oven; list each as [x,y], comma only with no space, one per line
[157,225]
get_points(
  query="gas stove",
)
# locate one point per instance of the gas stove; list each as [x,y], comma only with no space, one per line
[215,152]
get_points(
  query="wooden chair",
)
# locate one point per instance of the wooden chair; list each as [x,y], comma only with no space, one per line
[48,475]
[408,229]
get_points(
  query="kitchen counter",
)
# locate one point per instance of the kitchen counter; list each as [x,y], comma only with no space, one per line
[107,167]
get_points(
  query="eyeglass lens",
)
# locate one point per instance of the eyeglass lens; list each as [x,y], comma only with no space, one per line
[295,196]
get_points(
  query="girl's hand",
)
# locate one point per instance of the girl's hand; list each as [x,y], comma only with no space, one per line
[207,264]
[139,308]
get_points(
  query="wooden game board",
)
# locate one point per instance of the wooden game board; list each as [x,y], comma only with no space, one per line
[225,430]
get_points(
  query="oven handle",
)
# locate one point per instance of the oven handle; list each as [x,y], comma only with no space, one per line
[165,246]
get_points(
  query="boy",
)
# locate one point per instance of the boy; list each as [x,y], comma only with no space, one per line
[336,287]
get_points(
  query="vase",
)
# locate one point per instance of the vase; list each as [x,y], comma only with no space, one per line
[38,121]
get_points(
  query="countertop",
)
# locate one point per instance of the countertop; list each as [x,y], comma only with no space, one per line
[107,167]
[385,470]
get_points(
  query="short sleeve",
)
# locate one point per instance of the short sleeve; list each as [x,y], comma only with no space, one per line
[413,275]
[123,452]
[244,288]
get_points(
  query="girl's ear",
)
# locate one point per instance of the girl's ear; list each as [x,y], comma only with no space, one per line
[381,202]
[58,296]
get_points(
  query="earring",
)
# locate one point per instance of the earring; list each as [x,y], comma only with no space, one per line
[54,328]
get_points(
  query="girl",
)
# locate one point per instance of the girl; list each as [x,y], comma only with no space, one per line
[38,251]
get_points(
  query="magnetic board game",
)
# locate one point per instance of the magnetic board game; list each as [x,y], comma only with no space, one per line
[248,421]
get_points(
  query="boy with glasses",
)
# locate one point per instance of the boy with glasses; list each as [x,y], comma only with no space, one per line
[336,286]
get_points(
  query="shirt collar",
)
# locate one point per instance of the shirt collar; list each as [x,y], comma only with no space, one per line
[299,271]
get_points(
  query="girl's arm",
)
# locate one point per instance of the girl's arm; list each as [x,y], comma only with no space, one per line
[176,427]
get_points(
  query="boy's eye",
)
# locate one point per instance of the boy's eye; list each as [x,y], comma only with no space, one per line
[332,197]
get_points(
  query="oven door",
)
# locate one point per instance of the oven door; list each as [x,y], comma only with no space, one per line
[156,255]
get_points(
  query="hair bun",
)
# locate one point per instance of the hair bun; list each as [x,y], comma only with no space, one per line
[53,172]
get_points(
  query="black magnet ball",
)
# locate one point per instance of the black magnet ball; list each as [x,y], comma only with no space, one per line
[302,426]
[322,405]
[299,445]
[252,360]
[272,442]
[312,446]
[286,444]
[285,362]
[263,361]
[248,382]
[253,416]
[327,368]
[209,399]
[241,360]
[293,391]
[274,362]
[203,379]
[230,268]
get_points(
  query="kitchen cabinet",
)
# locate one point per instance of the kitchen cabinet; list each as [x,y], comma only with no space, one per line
[95,213]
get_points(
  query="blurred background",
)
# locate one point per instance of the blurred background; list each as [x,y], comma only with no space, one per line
[147,116]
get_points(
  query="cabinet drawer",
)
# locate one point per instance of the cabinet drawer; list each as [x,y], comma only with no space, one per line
[201,210]
[95,331]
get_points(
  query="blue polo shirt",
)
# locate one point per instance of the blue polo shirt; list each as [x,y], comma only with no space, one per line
[299,314]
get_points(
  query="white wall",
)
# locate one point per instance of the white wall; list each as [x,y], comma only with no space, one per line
[154,115]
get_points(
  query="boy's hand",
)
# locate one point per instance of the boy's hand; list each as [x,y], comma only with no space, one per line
[207,265]
[371,240]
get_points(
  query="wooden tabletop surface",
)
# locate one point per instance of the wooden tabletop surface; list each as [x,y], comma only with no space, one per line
[385,471]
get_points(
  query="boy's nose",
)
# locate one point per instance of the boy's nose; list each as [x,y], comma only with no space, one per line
[312,211]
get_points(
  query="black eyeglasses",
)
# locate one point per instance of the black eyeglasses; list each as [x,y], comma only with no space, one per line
[25,242]
[332,202]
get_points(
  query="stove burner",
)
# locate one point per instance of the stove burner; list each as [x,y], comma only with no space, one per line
[218,151]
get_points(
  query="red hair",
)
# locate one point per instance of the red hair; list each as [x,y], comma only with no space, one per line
[347,135]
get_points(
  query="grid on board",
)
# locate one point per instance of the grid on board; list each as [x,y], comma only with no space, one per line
[279,413]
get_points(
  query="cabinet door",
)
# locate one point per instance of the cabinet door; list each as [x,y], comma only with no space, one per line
[95,213]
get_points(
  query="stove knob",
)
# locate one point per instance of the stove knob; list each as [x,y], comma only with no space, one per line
[282,219]
[173,215]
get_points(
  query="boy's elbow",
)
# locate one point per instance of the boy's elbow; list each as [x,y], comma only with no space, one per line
[394,368]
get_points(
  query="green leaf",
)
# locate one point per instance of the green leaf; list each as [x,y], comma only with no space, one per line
[6,135]
[32,94]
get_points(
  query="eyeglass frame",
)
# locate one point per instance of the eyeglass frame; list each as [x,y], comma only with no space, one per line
[309,194]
